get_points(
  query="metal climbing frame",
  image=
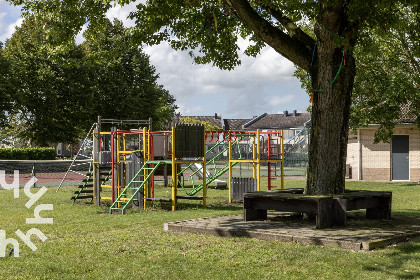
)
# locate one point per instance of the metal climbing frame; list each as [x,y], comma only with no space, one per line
[267,150]
[110,157]
[183,145]
[262,153]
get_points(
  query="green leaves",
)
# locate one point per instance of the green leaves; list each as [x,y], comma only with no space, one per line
[207,28]
[37,153]
[207,125]
[385,90]
[59,95]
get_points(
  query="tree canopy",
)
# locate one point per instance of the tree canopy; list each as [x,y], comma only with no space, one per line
[57,96]
[5,87]
[320,36]
[207,125]
[387,83]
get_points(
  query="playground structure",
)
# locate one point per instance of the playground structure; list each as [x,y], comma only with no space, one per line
[126,163]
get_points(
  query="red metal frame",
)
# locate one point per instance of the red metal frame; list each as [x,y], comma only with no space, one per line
[270,155]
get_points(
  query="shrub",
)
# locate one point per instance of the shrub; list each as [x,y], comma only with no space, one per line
[37,153]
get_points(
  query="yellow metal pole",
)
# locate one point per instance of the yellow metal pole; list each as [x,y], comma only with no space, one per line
[118,166]
[204,182]
[144,143]
[230,168]
[282,160]
[258,161]
[174,173]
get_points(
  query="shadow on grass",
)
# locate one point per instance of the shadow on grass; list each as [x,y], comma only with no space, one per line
[406,212]
[167,206]
[398,259]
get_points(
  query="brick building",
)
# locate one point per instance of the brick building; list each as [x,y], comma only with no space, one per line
[398,160]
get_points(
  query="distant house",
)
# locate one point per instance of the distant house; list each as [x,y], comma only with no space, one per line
[290,123]
[398,160]
[235,124]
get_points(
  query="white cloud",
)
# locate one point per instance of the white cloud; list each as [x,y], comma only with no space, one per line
[10,29]
[244,90]
[10,17]
[79,37]
[190,110]
[122,13]
[277,100]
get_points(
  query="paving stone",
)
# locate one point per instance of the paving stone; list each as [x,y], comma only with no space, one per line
[360,234]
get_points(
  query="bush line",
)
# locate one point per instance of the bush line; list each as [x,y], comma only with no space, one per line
[36,153]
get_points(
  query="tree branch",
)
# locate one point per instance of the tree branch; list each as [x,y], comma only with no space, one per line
[291,27]
[414,64]
[292,48]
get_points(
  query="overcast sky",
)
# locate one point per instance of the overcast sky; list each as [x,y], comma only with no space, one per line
[260,85]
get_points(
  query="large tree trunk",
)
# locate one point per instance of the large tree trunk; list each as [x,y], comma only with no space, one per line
[331,108]
[330,113]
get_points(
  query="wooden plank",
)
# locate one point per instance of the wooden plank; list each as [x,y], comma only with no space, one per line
[239,186]
[189,141]
[189,197]
[324,215]
[157,199]
[254,214]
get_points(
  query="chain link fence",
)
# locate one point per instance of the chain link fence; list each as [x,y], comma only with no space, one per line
[296,153]
[48,173]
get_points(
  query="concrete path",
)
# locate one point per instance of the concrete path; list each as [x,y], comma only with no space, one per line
[360,234]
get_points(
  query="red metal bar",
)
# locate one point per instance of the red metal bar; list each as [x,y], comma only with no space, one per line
[269,164]
[152,157]
[167,143]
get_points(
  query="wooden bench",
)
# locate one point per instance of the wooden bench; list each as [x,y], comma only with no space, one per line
[330,210]
[256,205]
[376,203]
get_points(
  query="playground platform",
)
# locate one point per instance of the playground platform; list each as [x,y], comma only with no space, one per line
[360,234]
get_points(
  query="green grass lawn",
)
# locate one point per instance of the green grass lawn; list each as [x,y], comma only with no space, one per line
[86,243]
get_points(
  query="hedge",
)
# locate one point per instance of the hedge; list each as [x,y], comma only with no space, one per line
[42,153]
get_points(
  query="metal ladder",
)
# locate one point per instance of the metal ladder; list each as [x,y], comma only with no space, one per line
[128,194]
[86,189]
[273,151]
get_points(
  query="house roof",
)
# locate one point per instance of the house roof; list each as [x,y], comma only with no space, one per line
[235,124]
[407,115]
[278,121]
[264,121]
